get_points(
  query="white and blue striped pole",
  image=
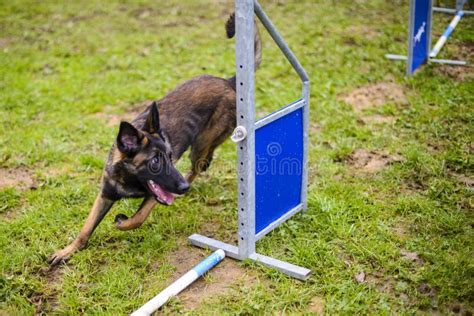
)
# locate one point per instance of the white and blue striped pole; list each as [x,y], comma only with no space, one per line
[446,34]
[180,284]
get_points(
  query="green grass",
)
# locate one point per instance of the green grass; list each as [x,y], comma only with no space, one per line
[62,63]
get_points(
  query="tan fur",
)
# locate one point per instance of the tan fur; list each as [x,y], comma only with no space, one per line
[139,158]
[100,207]
[139,217]
[117,155]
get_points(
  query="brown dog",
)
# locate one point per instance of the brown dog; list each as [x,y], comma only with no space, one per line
[199,114]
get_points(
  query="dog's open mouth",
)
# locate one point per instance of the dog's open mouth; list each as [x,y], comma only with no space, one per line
[161,195]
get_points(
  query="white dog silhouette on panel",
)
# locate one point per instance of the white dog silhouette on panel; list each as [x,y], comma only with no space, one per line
[420,32]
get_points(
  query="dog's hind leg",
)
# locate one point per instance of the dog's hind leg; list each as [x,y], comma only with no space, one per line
[100,208]
[122,222]
[198,156]
[218,129]
[201,155]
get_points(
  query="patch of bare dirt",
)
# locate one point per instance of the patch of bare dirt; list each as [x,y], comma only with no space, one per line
[112,119]
[350,40]
[387,284]
[52,274]
[19,178]
[464,51]
[316,305]
[435,148]
[53,171]
[367,31]
[378,119]
[217,282]
[12,214]
[459,309]
[390,285]
[360,277]
[467,180]
[315,128]
[46,302]
[400,230]
[142,13]
[4,42]
[371,161]
[373,96]
[427,290]
[460,73]
[381,282]
[412,256]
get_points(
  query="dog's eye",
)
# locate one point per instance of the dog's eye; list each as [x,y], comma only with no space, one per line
[155,164]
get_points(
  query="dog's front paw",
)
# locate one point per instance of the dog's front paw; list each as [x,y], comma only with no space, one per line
[62,256]
[120,218]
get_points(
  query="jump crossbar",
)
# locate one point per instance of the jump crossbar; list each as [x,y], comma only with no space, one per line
[449,30]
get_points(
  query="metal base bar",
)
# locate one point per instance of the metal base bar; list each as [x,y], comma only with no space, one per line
[448,62]
[450,11]
[289,269]
[396,57]
[432,60]
[206,242]
[292,270]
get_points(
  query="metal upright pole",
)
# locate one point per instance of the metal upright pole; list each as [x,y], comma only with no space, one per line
[411,31]
[460,4]
[244,26]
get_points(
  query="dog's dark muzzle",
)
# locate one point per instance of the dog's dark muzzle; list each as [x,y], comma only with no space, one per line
[182,188]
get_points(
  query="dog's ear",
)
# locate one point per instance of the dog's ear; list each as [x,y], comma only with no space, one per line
[152,124]
[129,139]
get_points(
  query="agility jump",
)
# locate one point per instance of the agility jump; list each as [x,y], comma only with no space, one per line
[266,197]
[419,35]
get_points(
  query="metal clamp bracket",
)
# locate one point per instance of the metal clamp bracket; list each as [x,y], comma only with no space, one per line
[239,134]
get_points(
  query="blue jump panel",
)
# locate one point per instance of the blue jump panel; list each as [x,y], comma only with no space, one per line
[278,168]
[420,35]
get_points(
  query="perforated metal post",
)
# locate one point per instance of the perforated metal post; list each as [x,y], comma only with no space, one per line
[460,4]
[244,26]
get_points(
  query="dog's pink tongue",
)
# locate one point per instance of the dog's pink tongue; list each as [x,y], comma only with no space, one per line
[161,193]
[168,197]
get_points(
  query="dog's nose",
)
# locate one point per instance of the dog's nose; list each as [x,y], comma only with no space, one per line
[183,187]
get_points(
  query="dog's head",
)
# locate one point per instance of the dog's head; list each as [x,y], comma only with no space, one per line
[147,158]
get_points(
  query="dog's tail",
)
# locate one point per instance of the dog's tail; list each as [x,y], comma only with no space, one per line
[230,30]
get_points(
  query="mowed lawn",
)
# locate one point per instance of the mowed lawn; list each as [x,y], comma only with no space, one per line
[389,227]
